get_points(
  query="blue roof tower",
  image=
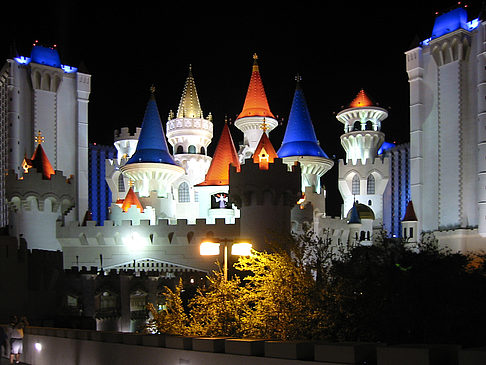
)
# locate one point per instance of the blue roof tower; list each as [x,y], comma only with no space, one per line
[152,145]
[300,138]
[300,144]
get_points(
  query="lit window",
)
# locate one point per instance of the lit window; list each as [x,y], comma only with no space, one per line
[183,193]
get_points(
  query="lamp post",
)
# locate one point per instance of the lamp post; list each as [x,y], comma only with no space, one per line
[211,248]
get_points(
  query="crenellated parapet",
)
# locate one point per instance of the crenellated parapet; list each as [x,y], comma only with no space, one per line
[276,186]
[33,188]
[116,246]
[126,143]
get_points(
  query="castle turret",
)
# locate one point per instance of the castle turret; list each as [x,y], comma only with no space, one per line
[410,224]
[42,195]
[255,110]
[190,134]
[363,176]
[126,143]
[300,144]
[265,191]
[152,168]
[362,136]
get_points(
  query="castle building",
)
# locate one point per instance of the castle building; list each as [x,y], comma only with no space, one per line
[448,129]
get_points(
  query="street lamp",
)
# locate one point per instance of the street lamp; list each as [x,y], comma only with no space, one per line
[211,248]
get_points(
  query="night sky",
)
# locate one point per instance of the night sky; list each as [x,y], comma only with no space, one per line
[337,48]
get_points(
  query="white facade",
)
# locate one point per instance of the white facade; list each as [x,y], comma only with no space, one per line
[447,78]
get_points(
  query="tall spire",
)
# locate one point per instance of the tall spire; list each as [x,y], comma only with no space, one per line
[256,103]
[152,145]
[224,156]
[189,106]
[300,138]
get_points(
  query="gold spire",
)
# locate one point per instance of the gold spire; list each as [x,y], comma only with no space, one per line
[39,138]
[255,64]
[189,106]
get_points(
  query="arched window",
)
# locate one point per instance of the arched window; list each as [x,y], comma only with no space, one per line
[180,149]
[369,125]
[192,149]
[355,185]
[370,184]
[121,183]
[357,126]
[183,193]
[203,151]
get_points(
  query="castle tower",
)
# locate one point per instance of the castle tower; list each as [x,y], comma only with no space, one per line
[363,176]
[190,134]
[447,81]
[40,93]
[151,167]
[213,191]
[126,143]
[362,137]
[37,200]
[255,110]
[265,191]
[300,144]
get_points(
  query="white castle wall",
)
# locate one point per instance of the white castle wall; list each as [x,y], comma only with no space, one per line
[176,242]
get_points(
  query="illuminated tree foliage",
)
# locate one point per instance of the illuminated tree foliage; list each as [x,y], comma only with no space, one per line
[387,292]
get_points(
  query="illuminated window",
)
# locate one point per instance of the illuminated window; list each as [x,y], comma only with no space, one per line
[355,185]
[183,193]
[370,185]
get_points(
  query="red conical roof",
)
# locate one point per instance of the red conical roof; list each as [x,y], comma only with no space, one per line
[361,100]
[409,213]
[256,103]
[40,162]
[131,199]
[264,152]
[225,154]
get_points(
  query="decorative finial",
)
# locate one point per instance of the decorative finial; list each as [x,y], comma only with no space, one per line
[152,89]
[298,78]
[263,126]
[39,138]
[130,183]
[255,56]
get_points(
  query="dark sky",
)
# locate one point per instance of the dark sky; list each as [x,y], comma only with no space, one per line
[337,47]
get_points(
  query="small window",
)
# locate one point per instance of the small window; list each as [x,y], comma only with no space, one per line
[369,125]
[203,151]
[192,149]
[180,149]
[410,230]
[357,126]
[355,185]
[121,183]
[370,185]
[183,193]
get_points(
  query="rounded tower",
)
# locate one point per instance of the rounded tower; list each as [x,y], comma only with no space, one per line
[255,111]
[152,168]
[362,136]
[126,143]
[300,144]
[190,134]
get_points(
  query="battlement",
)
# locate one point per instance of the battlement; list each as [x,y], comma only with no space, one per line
[124,133]
[377,161]
[252,185]
[33,187]
[166,231]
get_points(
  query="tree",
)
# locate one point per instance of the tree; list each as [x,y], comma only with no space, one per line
[172,319]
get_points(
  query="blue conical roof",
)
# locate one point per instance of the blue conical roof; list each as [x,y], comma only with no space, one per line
[152,145]
[354,216]
[300,138]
